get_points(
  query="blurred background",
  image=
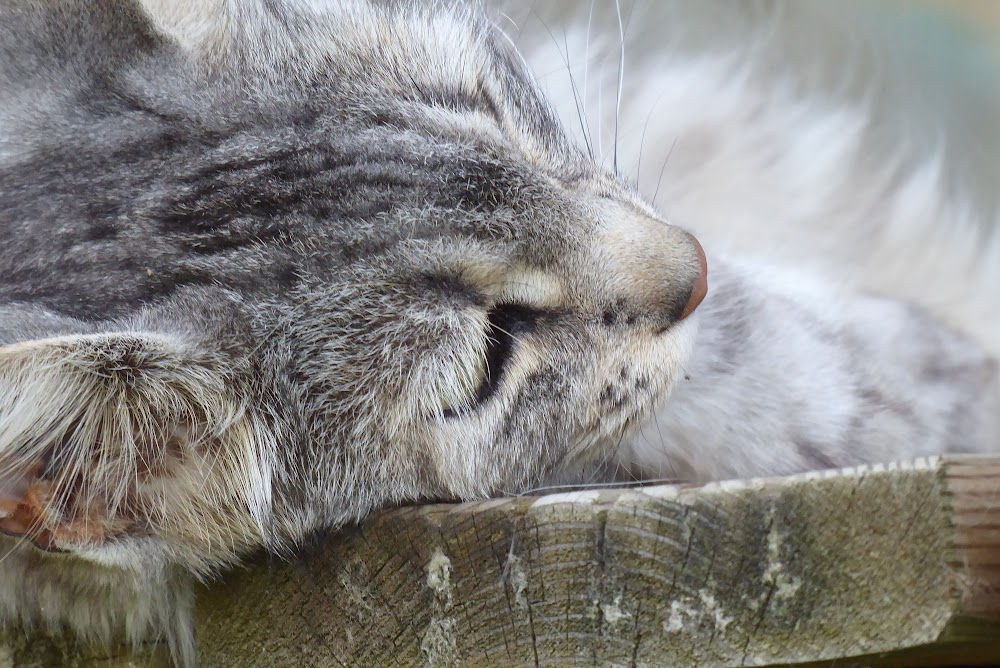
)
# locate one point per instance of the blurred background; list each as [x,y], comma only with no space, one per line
[856,139]
[929,68]
[980,17]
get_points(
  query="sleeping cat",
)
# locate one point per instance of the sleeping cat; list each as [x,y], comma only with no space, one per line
[272,265]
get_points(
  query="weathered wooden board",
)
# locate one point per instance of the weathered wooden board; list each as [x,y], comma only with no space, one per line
[886,565]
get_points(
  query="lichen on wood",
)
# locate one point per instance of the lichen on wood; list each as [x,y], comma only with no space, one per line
[883,565]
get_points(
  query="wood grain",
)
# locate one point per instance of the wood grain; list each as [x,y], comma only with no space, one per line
[839,566]
[895,565]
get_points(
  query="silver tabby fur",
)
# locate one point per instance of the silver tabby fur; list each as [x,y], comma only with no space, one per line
[253,251]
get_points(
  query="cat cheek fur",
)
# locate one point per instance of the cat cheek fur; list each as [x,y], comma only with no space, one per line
[586,326]
[513,442]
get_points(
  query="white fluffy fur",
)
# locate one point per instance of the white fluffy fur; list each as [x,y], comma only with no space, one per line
[802,140]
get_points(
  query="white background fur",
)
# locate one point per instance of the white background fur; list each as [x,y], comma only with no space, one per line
[834,150]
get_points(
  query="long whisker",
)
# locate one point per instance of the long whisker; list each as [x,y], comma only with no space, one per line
[663,169]
[572,80]
[520,30]
[663,445]
[586,75]
[642,139]
[572,487]
[621,79]
[577,101]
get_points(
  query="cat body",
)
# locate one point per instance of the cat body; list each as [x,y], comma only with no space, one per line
[271,266]
[266,275]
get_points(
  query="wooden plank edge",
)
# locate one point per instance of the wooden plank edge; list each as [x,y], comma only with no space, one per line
[972,497]
[969,488]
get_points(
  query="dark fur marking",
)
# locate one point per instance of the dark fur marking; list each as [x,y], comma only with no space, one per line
[874,398]
[814,454]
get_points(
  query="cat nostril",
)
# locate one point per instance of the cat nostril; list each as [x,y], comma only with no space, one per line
[700,287]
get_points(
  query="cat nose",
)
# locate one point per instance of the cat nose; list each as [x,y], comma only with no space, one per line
[700,286]
[655,272]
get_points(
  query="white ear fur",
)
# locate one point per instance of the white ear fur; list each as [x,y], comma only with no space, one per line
[195,24]
[103,431]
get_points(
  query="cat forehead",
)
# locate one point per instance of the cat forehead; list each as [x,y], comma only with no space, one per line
[394,44]
[361,55]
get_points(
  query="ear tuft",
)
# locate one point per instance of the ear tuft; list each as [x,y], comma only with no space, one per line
[195,24]
[106,435]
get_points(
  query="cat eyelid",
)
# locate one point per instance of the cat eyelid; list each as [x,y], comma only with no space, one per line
[506,324]
[533,288]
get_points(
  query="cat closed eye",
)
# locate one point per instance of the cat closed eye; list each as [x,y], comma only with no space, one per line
[505,323]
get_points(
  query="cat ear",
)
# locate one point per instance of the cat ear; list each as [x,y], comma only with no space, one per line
[100,433]
[195,24]
[215,27]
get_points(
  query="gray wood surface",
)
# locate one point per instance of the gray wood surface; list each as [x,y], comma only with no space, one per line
[887,565]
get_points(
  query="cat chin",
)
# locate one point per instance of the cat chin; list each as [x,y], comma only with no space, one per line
[664,361]
[669,359]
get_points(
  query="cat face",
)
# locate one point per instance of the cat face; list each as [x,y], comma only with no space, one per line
[342,259]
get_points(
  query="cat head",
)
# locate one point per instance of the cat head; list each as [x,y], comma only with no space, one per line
[345,256]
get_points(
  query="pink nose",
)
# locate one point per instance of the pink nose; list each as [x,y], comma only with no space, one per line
[700,287]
